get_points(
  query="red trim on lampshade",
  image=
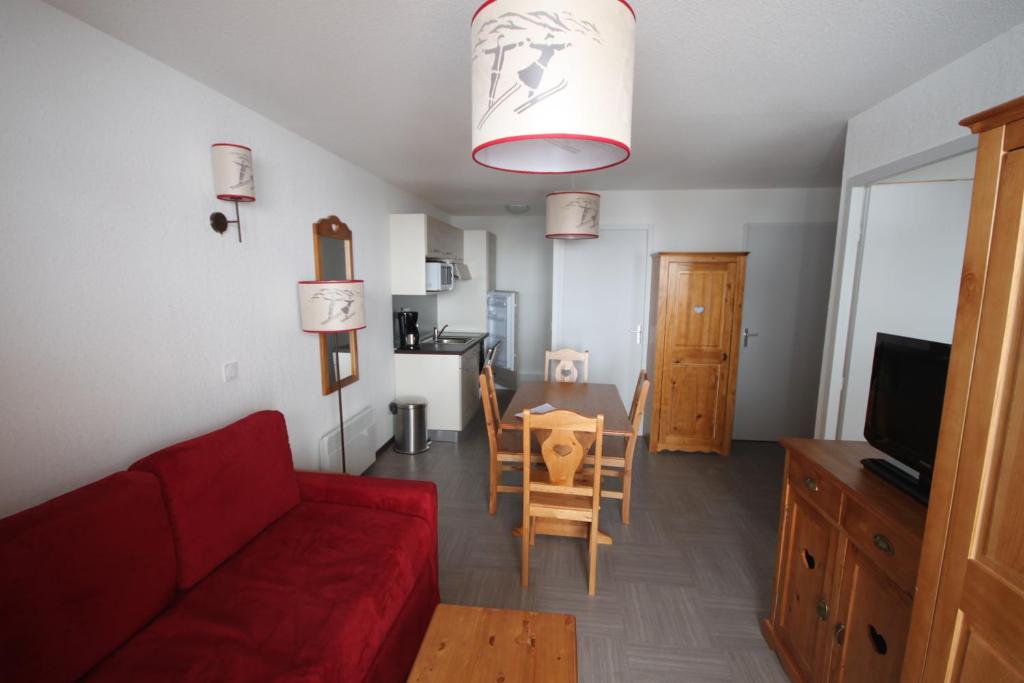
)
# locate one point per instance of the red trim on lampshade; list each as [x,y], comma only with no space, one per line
[488,2]
[354,329]
[230,144]
[570,236]
[335,282]
[543,136]
[592,194]
[236,197]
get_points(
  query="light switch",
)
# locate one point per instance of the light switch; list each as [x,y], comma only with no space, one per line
[231,371]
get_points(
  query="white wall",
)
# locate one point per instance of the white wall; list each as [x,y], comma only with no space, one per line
[680,220]
[914,127]
[120,305]
[910,275]
[523,265]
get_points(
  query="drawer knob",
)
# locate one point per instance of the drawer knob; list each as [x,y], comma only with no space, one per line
[884,544]
[811,484]
[822,609]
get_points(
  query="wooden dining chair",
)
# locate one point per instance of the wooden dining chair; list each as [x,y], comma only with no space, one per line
[618,451]
[505,447]
[565,368]
[558,490]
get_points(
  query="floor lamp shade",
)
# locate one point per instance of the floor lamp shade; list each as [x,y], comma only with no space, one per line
[232,172]
[327,306]
[552,84]
[573,215]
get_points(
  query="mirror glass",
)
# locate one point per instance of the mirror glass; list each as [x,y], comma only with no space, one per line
[332,248]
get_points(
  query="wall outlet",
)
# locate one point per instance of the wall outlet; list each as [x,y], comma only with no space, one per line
[231,371]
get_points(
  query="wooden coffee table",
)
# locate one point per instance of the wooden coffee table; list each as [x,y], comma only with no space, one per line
[468,644]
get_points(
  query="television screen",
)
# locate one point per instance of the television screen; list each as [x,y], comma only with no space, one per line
[908,382]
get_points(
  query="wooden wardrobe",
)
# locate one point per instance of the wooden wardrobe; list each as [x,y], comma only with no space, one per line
[696,310]
[968,616]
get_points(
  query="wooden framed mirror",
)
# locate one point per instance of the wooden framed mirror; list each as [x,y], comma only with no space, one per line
[332,251]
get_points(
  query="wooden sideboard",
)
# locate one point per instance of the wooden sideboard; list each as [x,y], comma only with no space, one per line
[846,566]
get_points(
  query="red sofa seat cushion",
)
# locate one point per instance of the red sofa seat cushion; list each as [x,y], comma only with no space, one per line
[80,574]
[223,488]
[312,598]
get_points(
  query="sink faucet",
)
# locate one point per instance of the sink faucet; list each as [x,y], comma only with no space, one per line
[437,334]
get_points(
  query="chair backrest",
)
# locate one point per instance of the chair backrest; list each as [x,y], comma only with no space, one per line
[561,449]
[637,414]
[492,396]
[638,400]
[491,417]
[565,368]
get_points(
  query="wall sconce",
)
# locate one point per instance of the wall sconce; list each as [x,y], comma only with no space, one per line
[232,181]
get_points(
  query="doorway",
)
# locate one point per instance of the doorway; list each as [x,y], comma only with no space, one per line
[600,291]
[784,315]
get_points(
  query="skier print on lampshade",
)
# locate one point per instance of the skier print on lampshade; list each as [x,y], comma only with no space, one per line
[573,215]
[552,86]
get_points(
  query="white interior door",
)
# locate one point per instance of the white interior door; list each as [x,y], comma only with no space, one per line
[784,310]
[600,302]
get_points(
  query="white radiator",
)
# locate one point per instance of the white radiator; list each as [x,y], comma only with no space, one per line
[359,451]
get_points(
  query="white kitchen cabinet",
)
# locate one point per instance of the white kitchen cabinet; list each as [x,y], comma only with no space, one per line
[416,237]
[448,382]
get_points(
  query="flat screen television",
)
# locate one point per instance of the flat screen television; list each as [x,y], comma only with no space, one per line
[908,383]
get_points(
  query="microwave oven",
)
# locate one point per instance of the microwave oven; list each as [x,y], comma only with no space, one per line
[440,276]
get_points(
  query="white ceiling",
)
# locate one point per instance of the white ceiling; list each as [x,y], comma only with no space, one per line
[728,94]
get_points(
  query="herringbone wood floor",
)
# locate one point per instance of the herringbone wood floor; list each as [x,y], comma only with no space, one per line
[679,594]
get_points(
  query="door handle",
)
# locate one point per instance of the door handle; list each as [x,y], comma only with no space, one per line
[747,334]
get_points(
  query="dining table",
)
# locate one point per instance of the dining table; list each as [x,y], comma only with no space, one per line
[589,399]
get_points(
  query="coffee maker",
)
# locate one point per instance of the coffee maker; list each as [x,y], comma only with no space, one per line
[407,323]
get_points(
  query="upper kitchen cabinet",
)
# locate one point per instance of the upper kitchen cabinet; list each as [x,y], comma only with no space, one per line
[415,239]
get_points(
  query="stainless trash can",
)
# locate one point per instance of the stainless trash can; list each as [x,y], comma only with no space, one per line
[410,425]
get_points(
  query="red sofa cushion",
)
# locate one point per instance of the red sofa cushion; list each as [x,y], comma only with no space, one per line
[312,598]
[80,574]
[223,488]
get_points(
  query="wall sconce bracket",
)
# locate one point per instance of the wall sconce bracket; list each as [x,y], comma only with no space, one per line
[219,222]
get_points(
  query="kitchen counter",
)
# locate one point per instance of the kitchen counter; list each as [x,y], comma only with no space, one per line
[432,348]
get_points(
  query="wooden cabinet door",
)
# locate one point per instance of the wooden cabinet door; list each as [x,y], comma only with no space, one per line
[974,630]
[801,608]
[698,312]
[869,635]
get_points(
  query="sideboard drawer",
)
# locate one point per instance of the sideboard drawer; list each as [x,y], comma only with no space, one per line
[816,486]
[895,551]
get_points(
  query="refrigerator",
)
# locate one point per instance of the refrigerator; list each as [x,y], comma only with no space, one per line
[501,333]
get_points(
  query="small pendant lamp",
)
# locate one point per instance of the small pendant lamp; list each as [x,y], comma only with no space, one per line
[573,215]
[552,84]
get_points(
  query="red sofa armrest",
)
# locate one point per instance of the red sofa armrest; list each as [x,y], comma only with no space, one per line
[414,498]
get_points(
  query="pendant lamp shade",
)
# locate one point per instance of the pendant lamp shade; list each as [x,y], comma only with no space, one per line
[552,84]
[331,305]
[232,172]
[573,215]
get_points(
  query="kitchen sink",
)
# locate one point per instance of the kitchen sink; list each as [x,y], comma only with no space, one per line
[452,340]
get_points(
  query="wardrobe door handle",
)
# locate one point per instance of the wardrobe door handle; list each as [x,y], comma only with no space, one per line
[822,609]
[811,484]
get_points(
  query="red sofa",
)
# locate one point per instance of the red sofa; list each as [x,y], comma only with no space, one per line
[214,560]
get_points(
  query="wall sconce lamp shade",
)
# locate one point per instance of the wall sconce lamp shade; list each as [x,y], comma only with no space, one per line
[573,215]
[328,306]
[232,181]
[552,90]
